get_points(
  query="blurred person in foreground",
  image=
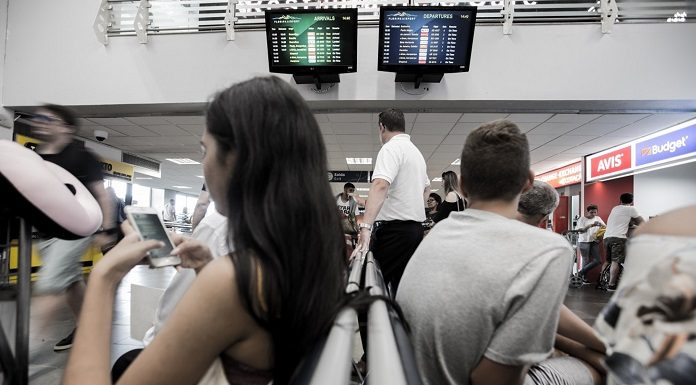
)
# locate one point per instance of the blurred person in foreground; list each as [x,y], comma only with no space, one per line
[61,270]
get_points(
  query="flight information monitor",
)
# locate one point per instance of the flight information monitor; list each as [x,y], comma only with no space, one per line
[307,42]
[426,39]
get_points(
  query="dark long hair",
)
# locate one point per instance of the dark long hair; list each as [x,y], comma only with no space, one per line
[294,240]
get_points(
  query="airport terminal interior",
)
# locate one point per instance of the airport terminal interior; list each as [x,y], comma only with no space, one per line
[515,184]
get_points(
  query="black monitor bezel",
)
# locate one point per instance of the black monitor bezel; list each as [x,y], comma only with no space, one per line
[424,68]
[317,69]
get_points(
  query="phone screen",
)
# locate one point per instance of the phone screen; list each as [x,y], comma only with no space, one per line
[150,227]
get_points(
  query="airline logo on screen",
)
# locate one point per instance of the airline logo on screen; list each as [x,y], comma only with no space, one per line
[286,19]
[611,162]
[667,146]
[401,16]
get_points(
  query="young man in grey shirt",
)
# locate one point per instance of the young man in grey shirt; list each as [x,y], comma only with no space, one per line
[482,292]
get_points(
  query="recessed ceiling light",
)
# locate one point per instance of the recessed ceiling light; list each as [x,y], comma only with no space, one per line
[183,161]
[457,162]
[363,189]
[181,186]
[438,179]
[359,160]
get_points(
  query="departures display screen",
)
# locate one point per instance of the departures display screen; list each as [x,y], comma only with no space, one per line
[312,39]
[426,36]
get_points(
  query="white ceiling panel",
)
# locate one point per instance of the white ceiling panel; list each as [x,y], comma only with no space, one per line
[455,139]
[551,149]
[432,128]
[554,128]
[596,128]
[190,119]
[427,148]
[527,126]
[573,118]
[620,118]
[167,130]
[481,117]
[427,139]
[352,128]
[353,117]
[332,147]
[194,129]
[321,118]
[538,140]
[88,131]
[354,139]
[529,118]
[437,118]
[330,139]
[133,131]
[111,122]
[147,120]
[451,149]
[571,140]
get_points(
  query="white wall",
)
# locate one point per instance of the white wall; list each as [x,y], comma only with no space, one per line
[657,192]
[5,115]
[53,56]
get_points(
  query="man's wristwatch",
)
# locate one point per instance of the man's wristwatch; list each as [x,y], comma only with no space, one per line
[367,226]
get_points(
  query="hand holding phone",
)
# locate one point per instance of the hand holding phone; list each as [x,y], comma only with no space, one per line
[148,224]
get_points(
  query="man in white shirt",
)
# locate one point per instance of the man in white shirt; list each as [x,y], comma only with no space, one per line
[348,208]
[620,218]
[395,207]
[588,243]
[169,213]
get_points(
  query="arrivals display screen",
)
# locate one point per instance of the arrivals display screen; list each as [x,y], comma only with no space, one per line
[426,39]
[319,41]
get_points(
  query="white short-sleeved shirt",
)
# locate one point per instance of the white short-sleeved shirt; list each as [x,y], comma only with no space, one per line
[344,207]
[482,285]
[588,236]
[400,163]
[618,221]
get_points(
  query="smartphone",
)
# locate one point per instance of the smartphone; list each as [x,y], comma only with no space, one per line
[147,222]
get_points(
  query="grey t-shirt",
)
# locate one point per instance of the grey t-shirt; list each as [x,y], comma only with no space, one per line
[483,285]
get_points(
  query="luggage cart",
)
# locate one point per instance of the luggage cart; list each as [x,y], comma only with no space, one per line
[575,278]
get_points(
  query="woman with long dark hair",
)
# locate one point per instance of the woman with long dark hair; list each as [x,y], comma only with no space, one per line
[454,201]
[252,317]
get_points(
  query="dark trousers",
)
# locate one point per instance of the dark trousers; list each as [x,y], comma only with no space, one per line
[393,244]
[590,256]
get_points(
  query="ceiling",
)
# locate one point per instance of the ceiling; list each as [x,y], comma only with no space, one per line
[555,138]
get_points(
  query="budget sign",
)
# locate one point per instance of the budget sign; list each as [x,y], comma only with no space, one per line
[667,146]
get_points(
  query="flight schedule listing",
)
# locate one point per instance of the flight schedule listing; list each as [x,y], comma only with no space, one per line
[311,39]
[425,37]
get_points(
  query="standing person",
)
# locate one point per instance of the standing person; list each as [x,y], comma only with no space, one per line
[484,306]
[620,218]
[453,197]
[61,270]
[348,208]
[169,213]
[395,204]
[588,243]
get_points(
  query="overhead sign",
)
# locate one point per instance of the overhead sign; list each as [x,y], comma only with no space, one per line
[609,162]
[110,168]
[667,146]
[349,176]
[564,176]
[674,145]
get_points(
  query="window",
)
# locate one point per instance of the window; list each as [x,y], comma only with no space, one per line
[141,196]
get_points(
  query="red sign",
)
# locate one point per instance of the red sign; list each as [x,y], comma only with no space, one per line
[610,162]
[564,176]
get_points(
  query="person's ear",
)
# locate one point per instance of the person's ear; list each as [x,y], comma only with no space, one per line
[529,182]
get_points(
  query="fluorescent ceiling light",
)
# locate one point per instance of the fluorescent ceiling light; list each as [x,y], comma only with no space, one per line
[457,162]
[362,196]
[359,160]
[362,189]
[182,161]
[199,176]
[438,179]
[181,186]
[142,177]
[436,190]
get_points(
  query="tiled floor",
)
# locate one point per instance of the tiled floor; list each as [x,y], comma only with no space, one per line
[47,366]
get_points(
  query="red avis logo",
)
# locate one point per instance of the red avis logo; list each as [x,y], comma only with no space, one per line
[611,162]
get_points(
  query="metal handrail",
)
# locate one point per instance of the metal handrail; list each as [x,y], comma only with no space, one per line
[335,361]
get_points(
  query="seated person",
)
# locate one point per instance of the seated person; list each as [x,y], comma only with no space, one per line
[579,351]
[245,319]
[482,292]
[649,323]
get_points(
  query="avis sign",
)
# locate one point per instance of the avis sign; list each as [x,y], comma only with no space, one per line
[609,163]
